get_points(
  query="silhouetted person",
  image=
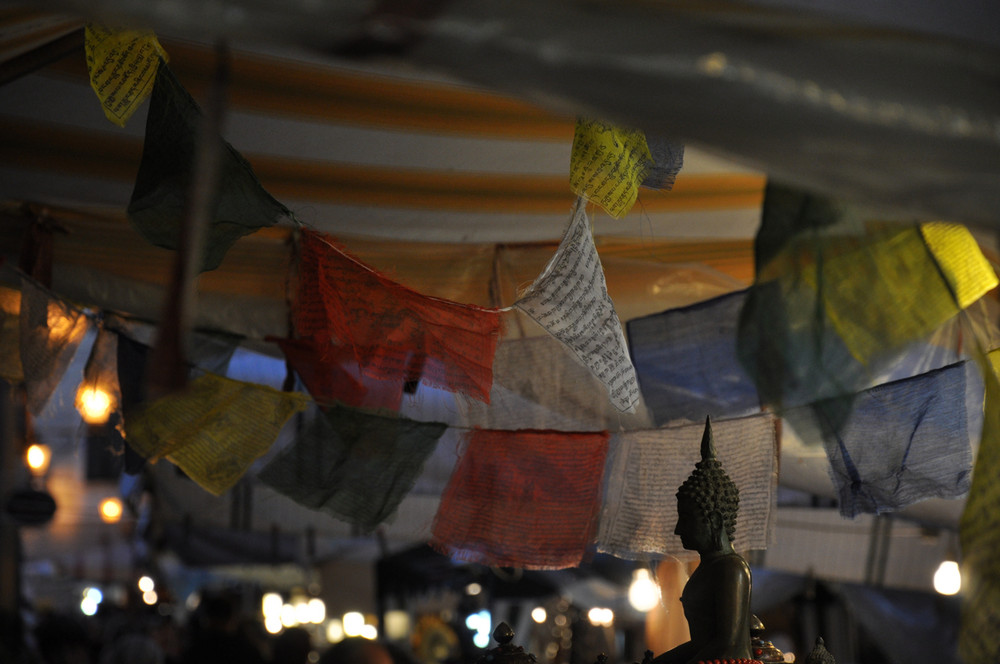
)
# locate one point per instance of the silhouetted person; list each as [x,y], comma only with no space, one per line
[216,639]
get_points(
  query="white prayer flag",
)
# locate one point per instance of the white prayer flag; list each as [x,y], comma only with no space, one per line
[646,467]
[570,300]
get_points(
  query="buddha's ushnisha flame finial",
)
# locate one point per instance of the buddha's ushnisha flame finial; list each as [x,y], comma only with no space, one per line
[707,441]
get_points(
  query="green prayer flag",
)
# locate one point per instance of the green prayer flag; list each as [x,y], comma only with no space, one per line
[158,203]
[356,465]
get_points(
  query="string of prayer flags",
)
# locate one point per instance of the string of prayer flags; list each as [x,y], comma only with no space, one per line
[158,202]
[570,300]
[10,336]
[538,384]
[646,467]
[122,67]
[51,331]
[607,165]
[903,442]
[686,361]
[523,499]
[214,429]
[330,373]
[395,332]
[355,465]
[979,531]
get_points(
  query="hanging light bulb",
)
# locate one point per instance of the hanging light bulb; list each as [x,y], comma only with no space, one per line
[948,578]
[111,510]
[643,594]
[93,403]
[38,458]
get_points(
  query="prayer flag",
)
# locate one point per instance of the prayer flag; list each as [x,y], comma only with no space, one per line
[352,464]
[570,300]
[668,159]
[836,298]
[979,530]
[902,442]
[330,373]
[646,467]
[523,499]
[51,331]
[686,361]
[158,202]
[395,333]
[607,165]
[214,429]
[122,67]
[539,384]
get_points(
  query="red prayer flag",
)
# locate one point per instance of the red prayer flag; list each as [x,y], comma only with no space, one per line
[330,373]
[396,333]
[523,498]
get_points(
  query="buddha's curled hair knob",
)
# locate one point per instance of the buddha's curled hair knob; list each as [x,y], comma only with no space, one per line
[503,634]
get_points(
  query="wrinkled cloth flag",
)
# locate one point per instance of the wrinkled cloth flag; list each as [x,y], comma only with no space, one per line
[396,333]
[214,429]
[538,384]
[122,67]
[835,298]
[902,442]
[668,160]
[355,465]
[607,165]
[523,499]
[646,467]
[686,361]
[330,373]
[979,531]
[51,332]
[10,336]
[158,202]
[570,300]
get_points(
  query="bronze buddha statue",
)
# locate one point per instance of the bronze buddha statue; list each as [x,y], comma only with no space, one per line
[716,598]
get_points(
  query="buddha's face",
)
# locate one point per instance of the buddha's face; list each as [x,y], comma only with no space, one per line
[694,526]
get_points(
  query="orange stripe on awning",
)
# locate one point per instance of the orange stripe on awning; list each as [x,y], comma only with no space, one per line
[66,150]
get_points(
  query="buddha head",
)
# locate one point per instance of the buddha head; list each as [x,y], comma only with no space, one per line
[707,502]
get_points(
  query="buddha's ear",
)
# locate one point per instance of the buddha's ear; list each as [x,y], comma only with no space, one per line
[718,525]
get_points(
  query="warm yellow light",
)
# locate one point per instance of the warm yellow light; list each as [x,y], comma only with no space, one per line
[287,615]
[38,457]
[948,578]
[539,614]
[643,594]
[397,624]
[272,624]
[317,610]
[146,584]
[94,404]
[369,632]
[150,597]
[270,605]
[334,631]
[354,622]
[601,616]
[111,510]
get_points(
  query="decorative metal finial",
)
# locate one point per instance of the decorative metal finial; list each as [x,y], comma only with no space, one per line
[506,652]
[707,441]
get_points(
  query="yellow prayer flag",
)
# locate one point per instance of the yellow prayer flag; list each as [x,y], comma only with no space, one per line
[979,530]
[122,65]
[962,263]
[214,429]
[891,291]
[608,164]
